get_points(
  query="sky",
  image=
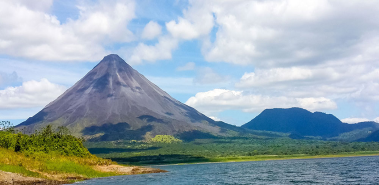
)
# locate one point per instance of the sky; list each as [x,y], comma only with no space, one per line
[229,59]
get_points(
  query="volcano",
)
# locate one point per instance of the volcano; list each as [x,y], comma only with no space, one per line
[115,102]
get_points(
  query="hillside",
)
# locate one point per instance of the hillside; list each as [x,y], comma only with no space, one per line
[373,137]
[303,122]
[113,101]
[49,157]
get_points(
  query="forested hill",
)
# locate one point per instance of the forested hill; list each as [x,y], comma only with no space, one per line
[372,137]
[303,122]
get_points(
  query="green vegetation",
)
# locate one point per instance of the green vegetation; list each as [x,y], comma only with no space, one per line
[46,141]
[48,154]
[19,170]
[165,139]
[225,149]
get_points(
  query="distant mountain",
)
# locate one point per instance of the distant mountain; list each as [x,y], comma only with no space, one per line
[113,101]
[374,136]
[302,122]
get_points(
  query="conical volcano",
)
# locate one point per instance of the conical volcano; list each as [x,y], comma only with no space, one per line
[114,101]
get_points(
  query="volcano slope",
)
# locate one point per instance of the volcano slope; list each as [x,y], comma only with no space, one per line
[115,102]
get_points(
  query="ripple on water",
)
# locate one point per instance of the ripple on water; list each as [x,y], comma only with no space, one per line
[352,170]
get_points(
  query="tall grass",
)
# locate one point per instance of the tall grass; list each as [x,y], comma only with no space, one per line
[19,170]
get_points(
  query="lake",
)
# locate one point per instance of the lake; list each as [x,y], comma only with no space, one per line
[348,170]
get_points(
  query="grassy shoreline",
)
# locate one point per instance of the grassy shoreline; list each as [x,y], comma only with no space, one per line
[57,169]
[53,157]
[275,157]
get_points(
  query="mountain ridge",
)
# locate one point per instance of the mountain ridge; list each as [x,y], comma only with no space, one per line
[113,101]
[303,122]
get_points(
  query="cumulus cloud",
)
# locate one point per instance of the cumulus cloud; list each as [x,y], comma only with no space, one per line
[30,94]
[198,21]
[289,32]
[218,100]
[187,67]
[354,120]
[151,53]
[151,30]
[376,119]
[296,46]
[31,32]
[358,82]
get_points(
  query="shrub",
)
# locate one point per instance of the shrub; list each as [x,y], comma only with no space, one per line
[46,141]
[165,139]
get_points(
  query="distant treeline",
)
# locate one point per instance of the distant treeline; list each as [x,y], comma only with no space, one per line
[203,149]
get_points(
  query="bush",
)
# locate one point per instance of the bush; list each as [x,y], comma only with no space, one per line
[46,141]
[165,139]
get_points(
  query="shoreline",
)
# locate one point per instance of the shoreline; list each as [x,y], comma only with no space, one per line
[270,158]
[118,170]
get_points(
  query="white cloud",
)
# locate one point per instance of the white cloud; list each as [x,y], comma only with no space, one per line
[30,94]
[219,100]
[160,51]
[289,32]
[358,82]
[185,29]
[274,76]
[151,30]
[198,21]
[41,5]
[187,67]
[300,49]
[206,75]
[30,32]
[376,119]
[215,118]
[354,120]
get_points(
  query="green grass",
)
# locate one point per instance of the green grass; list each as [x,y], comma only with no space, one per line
[48,154]
[74,168]
[46,165]
[19,170]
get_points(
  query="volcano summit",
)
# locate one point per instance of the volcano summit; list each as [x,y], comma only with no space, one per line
[113,101]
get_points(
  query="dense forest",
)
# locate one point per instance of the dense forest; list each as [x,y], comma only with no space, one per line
[208,150]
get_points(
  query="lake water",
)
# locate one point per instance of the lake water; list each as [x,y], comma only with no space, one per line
[350,170]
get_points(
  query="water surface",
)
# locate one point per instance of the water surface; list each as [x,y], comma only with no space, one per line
[349,170]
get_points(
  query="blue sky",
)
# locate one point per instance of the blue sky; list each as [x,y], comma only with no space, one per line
[228,59]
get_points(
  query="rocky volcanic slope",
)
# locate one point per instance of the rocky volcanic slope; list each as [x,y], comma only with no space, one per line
[113,101]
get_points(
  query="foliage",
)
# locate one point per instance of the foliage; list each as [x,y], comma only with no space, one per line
[203,150]
[47,153]
[46,141]
[165,139]
[6,126]
[44,165]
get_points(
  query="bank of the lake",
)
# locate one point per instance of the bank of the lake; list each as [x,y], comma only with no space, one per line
[53,157]
[18,168]
[284,157]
